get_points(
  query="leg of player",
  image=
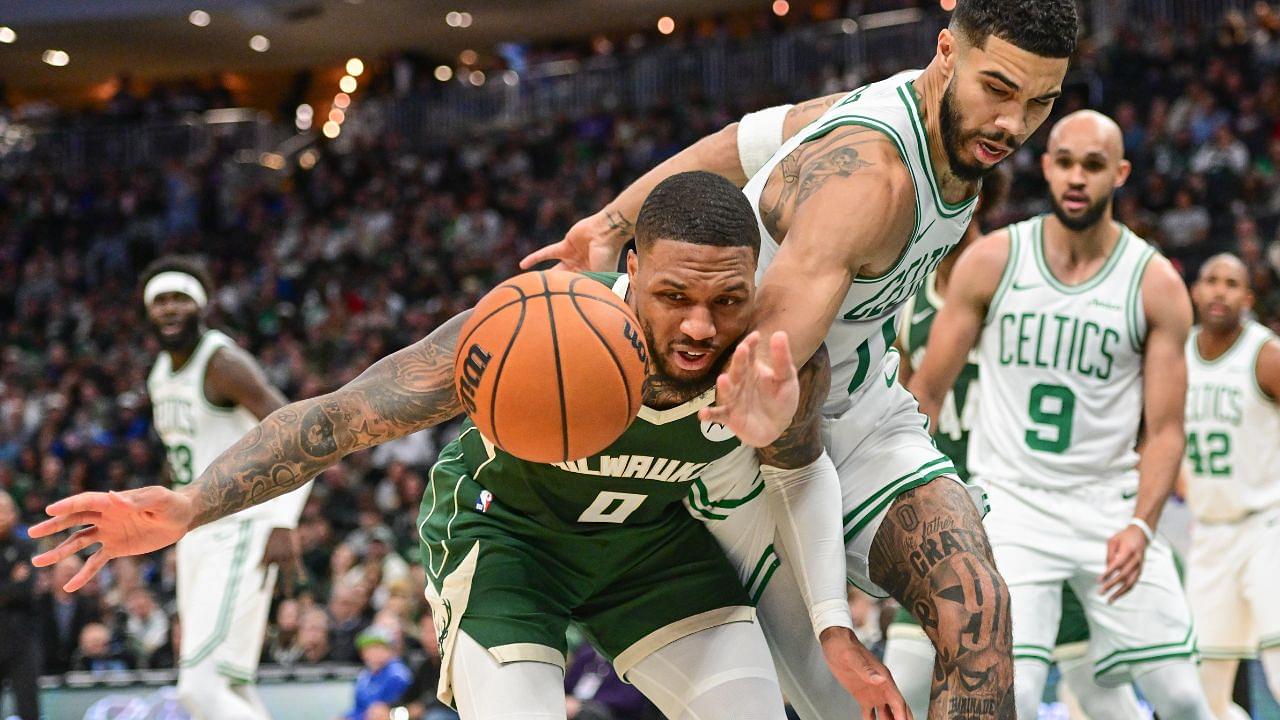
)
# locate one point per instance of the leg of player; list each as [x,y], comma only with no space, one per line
[931,553]
[909,655]
[1271,667]
[1173,689]
[1098,702]
[723,672]
[485,689]
[1218,678]
[209,695]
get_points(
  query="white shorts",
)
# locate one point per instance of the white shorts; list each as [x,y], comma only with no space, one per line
[224,596]
[1042,538]
[881,449]
[1233,584]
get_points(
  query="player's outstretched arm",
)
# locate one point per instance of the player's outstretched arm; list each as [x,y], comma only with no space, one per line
[955,330]
[595,242]
[802,488]
[1164,392]
[401,394]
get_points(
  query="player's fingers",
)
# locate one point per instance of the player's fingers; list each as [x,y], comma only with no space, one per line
[56,525]
[84,502]
[780,354]
[72,545]
[554,251]
[714,413]
[91,567]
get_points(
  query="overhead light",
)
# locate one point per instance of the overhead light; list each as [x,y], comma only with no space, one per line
[453,19]
[464,20]
[782,7]
[347,84]
[476,78]
[341,101]
[666,25]
[355,66]
[336,115]
[849,26]
[199,18]
[7,35]
[444,73]
[468,57]
[56,58]
[259,43]
[303,123]
[331,129]
[271,161]
[511,77]
[304,111]
[948,5]
[307,160]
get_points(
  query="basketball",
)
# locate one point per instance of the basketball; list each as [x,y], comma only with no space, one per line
[551,366]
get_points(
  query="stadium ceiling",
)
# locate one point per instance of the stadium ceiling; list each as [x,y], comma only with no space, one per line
[154,39]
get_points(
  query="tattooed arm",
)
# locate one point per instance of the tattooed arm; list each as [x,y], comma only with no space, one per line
[840,206]
[595,242]
[399,395]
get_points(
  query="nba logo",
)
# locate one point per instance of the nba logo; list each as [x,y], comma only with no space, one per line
[484,501]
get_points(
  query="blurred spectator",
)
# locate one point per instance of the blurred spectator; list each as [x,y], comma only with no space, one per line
[1184,226]
[19,637]
[167,655]
[311,646]
[384,677]
[96,653]
[593,691]
[63,615]
[347,618]
[146,626]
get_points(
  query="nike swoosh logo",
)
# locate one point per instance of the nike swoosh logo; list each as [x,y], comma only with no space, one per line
[1016,286]
[890,377]
[920,316]
[1129,495]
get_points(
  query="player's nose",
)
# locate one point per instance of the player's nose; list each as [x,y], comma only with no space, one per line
[698,324]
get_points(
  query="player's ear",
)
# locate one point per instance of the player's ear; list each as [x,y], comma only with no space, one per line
[947,48]
[633,263]
[1122,175]
[1044,164]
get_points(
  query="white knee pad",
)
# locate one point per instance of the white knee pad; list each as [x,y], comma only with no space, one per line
[1029,677]
[722,673]
[485,689]
[910,660]
[1174,690]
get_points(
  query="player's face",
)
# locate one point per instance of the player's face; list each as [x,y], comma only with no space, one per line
[998,95]
[1221,294]
[694,302]
[1082,169]
[176,319]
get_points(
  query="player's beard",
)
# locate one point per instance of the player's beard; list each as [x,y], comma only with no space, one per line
[665,387]
[1086,220]
[954,139]
[183,341]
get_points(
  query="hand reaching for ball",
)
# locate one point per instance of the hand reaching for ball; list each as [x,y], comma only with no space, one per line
[757,396]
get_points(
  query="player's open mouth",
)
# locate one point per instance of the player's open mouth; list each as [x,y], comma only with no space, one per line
[692,359]
[1075,202]
[990,153]
[1217,308]
[171,329]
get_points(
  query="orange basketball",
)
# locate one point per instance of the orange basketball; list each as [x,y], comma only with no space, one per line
[551,366]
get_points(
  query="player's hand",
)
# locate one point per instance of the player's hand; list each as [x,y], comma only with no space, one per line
[1125,552]
[756,397]
[591,244]
[282,548]
[864,676]
[133,522]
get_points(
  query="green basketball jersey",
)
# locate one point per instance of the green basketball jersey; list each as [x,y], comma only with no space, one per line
[641,478]
[955,418]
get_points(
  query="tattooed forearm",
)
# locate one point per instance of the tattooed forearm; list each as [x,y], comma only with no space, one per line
[801,443]
[932,555]
[401,394]
[619,225]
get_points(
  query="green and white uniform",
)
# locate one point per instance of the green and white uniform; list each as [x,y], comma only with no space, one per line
[515,551]
[224,593]
[955,420]
[1233,427]
[1054,443]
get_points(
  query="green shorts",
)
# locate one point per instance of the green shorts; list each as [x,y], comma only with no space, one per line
[514,586]
[1072,628]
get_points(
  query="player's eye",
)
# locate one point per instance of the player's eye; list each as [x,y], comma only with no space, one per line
[1042,102]
[727,301]
[1094,167]
[673,297]
[1064,163]
[997,91]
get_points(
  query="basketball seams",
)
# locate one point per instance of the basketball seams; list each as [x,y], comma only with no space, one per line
[497,373]
[475,322]
[555,353]
[617,362]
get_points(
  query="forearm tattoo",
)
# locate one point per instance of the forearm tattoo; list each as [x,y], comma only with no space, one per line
[801,443]
[399,395]
[932,554]
[619,225]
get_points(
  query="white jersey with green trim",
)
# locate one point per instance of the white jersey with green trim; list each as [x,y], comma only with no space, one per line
[1232,429]
[865,328]
[1061,369]
[195,431]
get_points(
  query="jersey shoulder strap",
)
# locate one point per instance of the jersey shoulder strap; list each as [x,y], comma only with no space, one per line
[1020,235]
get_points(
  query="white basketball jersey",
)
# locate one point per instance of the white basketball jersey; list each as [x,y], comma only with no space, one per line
[1061,369]
[866,326]
[1233,431]
[195,431]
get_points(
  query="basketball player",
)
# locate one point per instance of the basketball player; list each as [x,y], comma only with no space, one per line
[515,550]
[1081,328]
[908,653]
[1233,422]
[858,197]
[205,394]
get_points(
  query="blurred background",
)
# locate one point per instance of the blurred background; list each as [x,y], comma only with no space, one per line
[357,171]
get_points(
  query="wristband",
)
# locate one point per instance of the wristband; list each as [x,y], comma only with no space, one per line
[1144,527]
[759,137]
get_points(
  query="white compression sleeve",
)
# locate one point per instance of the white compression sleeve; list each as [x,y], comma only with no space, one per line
[759,137]
[806,506]
[488,690]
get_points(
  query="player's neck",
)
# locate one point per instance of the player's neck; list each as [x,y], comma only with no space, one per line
[178,358]
[1212,343]
[930,86]
[1081,246]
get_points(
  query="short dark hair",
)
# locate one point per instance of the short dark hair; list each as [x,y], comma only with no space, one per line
[698,207]
[1044,27]
[189,264]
